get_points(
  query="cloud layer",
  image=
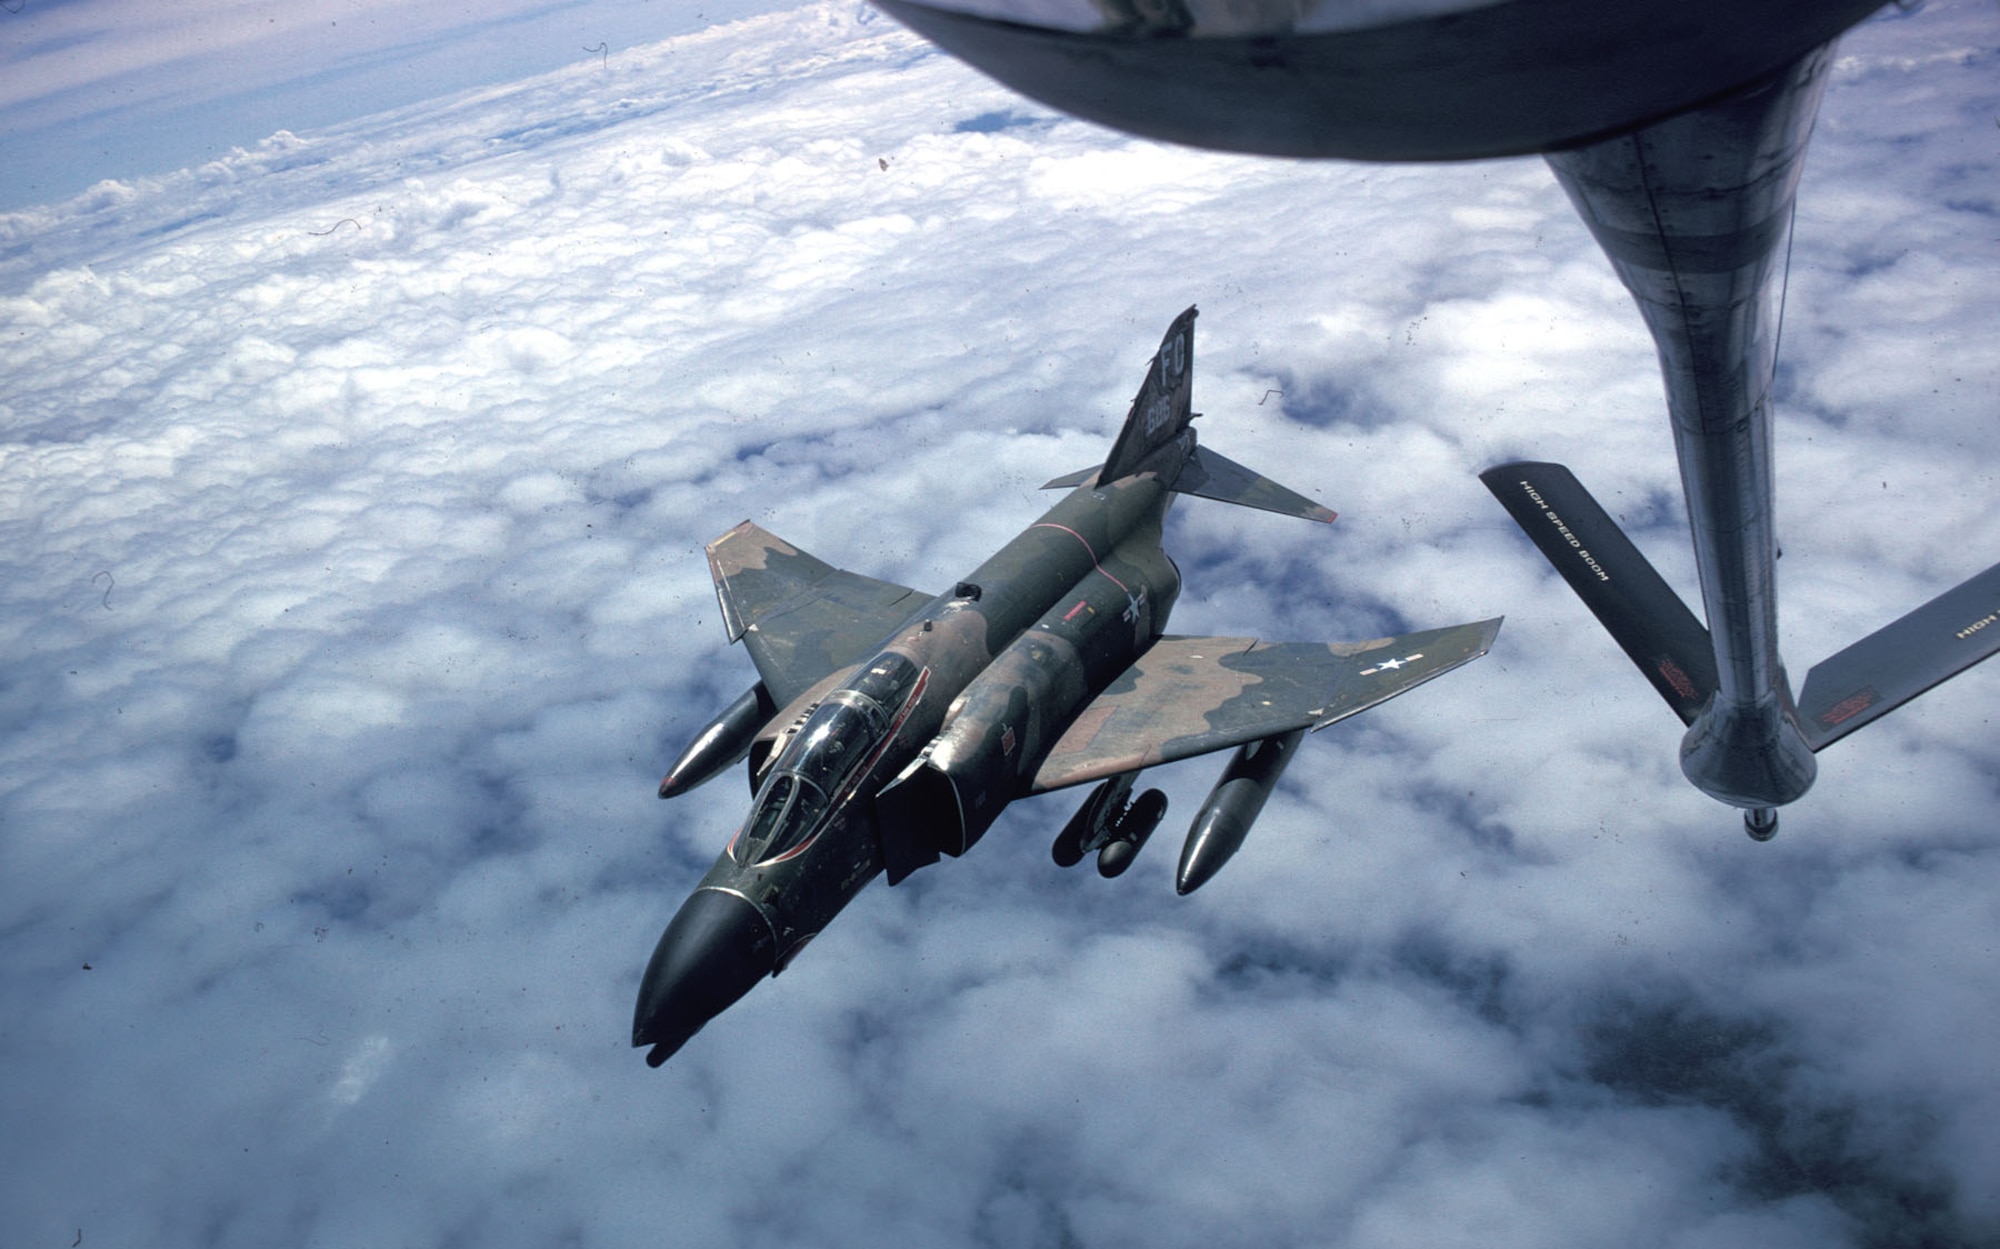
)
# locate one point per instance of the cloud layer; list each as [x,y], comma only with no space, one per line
[352,596]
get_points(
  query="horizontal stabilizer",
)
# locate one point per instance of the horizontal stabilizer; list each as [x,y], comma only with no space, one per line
[1068,480]
[1901,660]
[1624,591]
[1214,476]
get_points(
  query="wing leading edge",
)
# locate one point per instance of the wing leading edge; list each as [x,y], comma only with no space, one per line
[1188,696]
[798,616]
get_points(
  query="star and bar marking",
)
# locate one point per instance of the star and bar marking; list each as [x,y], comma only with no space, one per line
[1390,665]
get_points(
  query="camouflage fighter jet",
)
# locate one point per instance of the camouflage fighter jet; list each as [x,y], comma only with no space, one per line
[890,727]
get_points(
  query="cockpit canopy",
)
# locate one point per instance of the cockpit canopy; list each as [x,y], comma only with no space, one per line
[820,765]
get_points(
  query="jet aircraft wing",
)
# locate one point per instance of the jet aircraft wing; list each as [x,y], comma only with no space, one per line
[800,617]
[1188,696]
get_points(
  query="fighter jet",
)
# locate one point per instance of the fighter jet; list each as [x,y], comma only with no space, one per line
[1678,128]
[890,727]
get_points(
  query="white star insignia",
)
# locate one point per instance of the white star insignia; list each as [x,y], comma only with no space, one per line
[1390,665]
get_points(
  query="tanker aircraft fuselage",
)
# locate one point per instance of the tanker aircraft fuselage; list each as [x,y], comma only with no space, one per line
[1678,128]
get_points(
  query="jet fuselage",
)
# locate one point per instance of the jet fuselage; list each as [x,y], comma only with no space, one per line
[890,727]
[1009,657]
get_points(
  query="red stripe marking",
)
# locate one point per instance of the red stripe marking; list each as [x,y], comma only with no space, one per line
[1045,524]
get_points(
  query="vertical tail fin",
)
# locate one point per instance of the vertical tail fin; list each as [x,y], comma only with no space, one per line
[1160,411]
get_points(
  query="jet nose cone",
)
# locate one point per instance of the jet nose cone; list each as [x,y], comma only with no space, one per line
[718,946]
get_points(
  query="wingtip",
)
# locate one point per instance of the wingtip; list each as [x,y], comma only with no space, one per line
[726,535]
[1487,632]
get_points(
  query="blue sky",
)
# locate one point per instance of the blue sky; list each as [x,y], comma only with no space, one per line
[352,494]
[94,89]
